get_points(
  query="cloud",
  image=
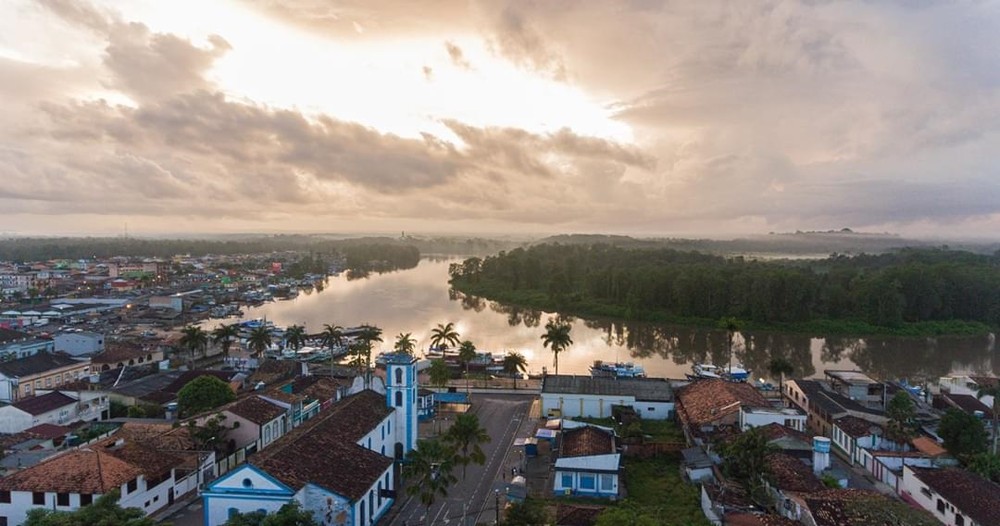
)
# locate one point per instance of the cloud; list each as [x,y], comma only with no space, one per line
[456,55]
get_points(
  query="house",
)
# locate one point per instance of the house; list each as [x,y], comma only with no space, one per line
[117,355]
[144,476]
[197,460]
[78,343]
[16,344]
[954,496]
[966,403]
[855,507]
[593,397]
[59,408]
[704,406]
[857,386]
[22,377]
[823,405]
[791,480]
[697,464]
[338,465]
[852,434]
[255,421]
[425,404]
[790,417]
[588,465]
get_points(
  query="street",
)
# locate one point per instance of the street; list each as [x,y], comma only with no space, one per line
[474,498]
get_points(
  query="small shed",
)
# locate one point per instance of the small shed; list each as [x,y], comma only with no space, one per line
[531,447]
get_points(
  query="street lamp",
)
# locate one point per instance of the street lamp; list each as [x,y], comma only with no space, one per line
[496,496]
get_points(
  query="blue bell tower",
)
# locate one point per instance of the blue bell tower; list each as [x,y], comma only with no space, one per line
[401,395]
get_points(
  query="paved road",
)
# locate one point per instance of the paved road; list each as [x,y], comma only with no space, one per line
[473,498]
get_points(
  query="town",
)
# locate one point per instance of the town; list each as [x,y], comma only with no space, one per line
[138,380]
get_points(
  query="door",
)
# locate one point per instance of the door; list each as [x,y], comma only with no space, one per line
[170,496]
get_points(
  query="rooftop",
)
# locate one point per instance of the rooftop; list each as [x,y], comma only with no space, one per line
[89,470]
[858,427]
[705,401]
[791,474]
[37,405]
[644,389]
[37,363]
[324,451]
[974,496]
[851,377]
[256,410]
[587,441]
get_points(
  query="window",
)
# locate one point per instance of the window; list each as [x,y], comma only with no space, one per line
[247,483]
[926,492]
[399,376]
[58,380]
[86,499]
[5,497]
[959,520]
[399,399]
[38,384]
[567,481]
[48,382]
[588,482]
[145,504]
[132,486]
[940,505]
[38,497]
[607,482]
[62,499]
[267,433]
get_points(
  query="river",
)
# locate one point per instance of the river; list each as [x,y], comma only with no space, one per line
[418,299]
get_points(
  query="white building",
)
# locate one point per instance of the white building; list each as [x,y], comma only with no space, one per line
[790,417]
[79,343]
[593,397]
[339,465]
[588,464]
[144,477]
[954,496]
[57,408]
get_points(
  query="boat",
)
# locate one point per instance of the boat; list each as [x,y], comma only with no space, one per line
[617,370]
[706,370]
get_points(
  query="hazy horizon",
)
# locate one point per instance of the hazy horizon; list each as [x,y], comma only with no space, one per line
[645,118]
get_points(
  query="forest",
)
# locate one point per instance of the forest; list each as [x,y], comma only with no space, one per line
[920,291]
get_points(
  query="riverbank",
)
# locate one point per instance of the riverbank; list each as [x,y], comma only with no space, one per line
[536,300]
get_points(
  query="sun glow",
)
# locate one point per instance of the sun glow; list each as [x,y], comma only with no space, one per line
[404,86]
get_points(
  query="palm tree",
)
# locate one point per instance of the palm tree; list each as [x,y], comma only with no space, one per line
[779,366]
[444,336]
[467,437]
[466,353]
[557,338]
[296,336]
[514,364]
[994,391]
[731,325]
[430,466]
[439,372]
[194,339]
[367,337]
[333,338]
[405,344]
[225,335]
[259,342]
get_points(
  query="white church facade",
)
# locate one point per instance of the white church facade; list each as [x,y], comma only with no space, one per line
[340,465]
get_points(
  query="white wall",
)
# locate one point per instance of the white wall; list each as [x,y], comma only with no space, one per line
[13,420]
[230,492]
[22,501]
[654,410]
[927,498]
[601,484]
[763,418]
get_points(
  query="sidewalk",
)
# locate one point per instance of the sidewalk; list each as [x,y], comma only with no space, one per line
[180,504]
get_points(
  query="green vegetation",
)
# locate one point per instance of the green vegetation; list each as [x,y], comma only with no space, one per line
[909,292]
[964,435]
[656,495]
[531,512]
[290,514]
[105,511]
[745,461]
[466,438]
[902,413]
[430,469]
[202,393]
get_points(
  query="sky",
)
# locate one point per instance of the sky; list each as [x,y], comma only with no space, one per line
[643,117]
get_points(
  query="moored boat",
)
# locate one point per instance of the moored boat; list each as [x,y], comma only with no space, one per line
[617,370]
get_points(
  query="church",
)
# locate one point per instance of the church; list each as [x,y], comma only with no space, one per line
[340,465]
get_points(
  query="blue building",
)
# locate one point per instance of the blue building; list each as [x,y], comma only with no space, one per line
[339,465]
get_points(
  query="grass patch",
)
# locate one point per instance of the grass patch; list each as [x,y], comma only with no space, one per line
[656,490]
[662,431]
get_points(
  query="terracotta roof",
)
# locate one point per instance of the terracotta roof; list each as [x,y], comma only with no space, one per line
[705,401]
[968,403]
[776,431]
[256,410]
[324,451]
[985,381]
[272,371]
[928,446]
[577,514]
[856,507]
[751,519]
[587,441]
[791,474]
[48,431]
[36,363]
[37,405]
[120,352]
[89,470]
[151,462]
[856,427]
[320,388]
[974,496]
[10,335]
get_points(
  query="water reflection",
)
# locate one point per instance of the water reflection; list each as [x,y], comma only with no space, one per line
[417,299]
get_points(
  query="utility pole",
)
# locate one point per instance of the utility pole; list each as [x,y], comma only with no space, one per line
[496,495]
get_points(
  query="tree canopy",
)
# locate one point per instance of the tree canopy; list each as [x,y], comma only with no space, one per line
[964,435]
[105,511]
[203,393]
[290,514]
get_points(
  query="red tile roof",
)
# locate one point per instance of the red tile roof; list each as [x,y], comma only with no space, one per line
[705,401]
[857,427]
[89,470]
[974,496]
[256,410]
[791,474]
[751,519]
[855,507]
[324,451]
[37,405]
[587,441]
[47,431]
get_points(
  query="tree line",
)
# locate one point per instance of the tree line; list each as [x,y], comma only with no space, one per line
[909,286]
